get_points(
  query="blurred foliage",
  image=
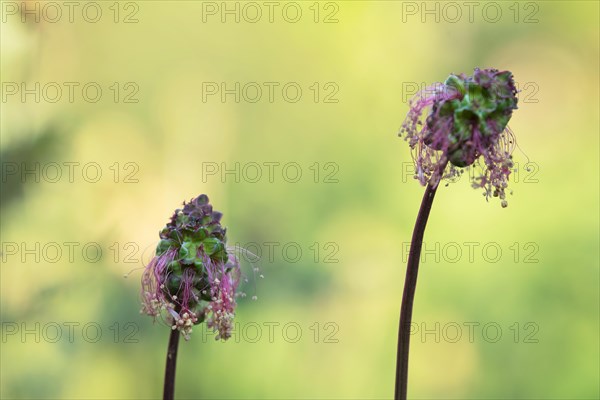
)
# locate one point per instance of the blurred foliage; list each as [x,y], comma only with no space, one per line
[21,157]
[171,133]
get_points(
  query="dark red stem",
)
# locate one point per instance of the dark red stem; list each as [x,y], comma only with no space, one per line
[410,284]
[169,389]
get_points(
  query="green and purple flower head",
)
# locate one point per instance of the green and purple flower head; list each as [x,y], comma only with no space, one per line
[193,277]
[451,125]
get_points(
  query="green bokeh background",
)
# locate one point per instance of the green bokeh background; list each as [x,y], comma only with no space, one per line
[373,57]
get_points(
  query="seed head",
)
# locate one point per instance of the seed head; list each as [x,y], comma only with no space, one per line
[193,277]
[454,124]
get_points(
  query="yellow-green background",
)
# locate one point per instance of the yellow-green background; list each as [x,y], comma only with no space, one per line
[370,53]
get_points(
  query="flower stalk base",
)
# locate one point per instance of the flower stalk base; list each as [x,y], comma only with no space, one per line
[169,388]
[410,284]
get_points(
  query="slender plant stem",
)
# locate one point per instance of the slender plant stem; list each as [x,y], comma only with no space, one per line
[410,284]
[169,390]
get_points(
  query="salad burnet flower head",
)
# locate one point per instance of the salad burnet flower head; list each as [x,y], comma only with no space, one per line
[464,122]
[193,277]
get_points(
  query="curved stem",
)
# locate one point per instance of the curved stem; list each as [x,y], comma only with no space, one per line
[169,388]
[410,284]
